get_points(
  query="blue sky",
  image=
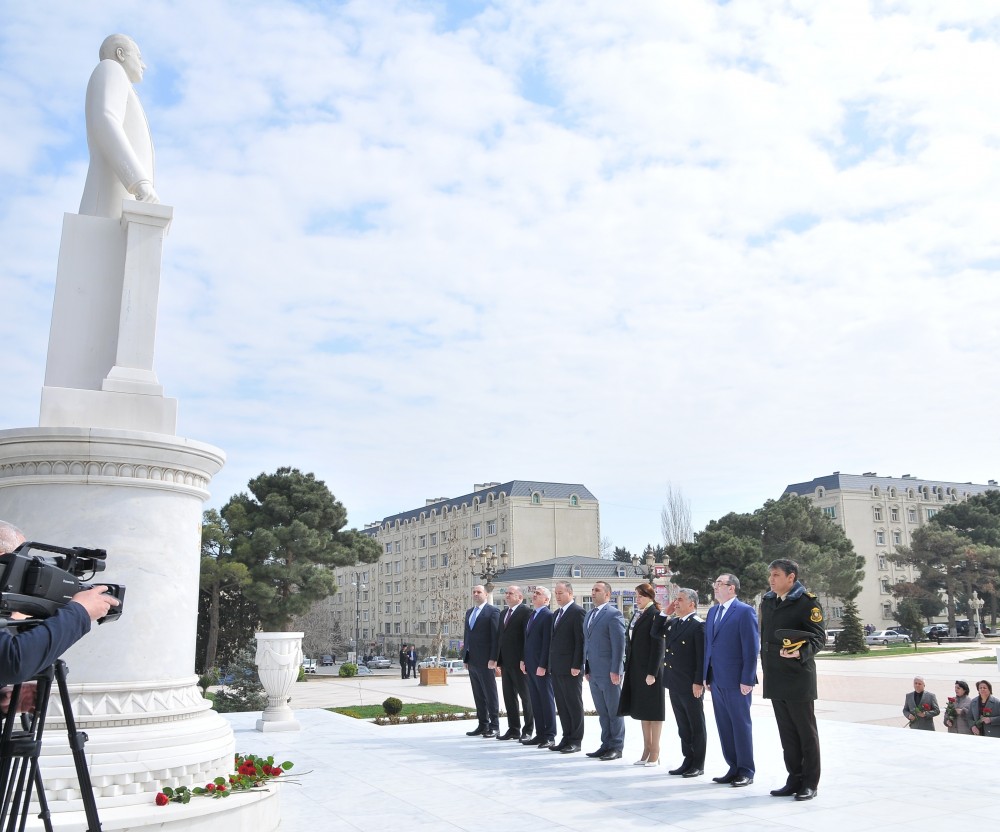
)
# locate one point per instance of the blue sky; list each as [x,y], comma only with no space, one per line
[419,245]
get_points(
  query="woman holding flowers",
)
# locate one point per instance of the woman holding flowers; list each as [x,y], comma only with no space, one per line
[984,711]
[956,712]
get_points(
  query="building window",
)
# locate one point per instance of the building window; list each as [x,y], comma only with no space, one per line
[433,561]
[477,530]
[931,512]
[574,500]
[887,610]
[894,514]
[388,588]
[491,527]
[434,627]
[395,628]
[398,607]
[837,612]
[398,568]
[911,514]
[444,560]
[445,629]
[877,512]
[423,584]
[577,572]
[588,603]
[880,538]
[897,538]
[388,548]
[620,571]
[422,563]
[395,588]
[882,563]
[388,629]
[388,606]
[536,498]
[364,595]
[885,586]
[423,541]
[364,615]
[434,538]
[830,511]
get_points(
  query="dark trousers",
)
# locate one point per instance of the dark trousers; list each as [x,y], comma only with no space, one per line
[689,713]
[732,719]
[404,669]
[515,686]
[799,741]
[484,691]
[568,692]
[543,704]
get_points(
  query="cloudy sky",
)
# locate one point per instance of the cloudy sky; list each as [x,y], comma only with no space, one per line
[418,245]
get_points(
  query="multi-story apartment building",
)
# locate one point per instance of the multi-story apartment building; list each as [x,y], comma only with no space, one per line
[422,583]
[879,514]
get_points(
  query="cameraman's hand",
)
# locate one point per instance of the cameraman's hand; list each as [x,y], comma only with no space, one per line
[95,602]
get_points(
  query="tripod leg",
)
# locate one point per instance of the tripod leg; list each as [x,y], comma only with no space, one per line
[76,743]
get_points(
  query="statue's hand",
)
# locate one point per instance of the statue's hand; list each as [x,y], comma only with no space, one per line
[143,192]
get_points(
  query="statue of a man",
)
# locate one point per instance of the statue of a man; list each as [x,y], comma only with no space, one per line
[121,148]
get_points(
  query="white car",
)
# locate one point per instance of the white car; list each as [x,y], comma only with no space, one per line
[887,637]
[309,665]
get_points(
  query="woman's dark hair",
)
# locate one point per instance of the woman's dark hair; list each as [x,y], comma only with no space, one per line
[984,682]
[963,685]
[649,592]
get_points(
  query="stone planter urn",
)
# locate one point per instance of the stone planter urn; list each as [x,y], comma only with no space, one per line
[279,656]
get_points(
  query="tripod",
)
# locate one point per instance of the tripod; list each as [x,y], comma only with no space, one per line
[19,751]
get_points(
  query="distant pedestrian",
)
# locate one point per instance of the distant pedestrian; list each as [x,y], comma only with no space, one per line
[404,663]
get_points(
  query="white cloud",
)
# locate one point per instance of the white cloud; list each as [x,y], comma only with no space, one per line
[729,246]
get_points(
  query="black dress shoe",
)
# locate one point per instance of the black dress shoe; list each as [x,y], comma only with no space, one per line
[785,791]
[611,755]
[679,770]
[694,772]
[743,780]
[490,734]
[525,735]
[510,735]
[599,753]
[805,794]
[571,748]
[558,746]
[549,744]
[477,733]
[530,741]
[727,778]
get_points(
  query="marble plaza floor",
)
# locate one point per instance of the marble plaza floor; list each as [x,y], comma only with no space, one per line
[876,774]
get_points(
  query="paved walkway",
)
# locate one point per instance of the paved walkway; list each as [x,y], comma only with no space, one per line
[432,776]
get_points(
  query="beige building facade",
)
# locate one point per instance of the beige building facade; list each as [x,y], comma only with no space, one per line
[879,514]
[421,586]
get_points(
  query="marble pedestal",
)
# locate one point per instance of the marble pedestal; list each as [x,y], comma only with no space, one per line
[139,496]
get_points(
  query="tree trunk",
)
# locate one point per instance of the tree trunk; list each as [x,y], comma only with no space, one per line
[212,642]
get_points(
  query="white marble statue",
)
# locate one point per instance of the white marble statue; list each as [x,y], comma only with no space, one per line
[121,148]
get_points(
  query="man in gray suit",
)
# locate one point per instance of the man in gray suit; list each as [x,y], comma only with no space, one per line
[604,662]
[921,706]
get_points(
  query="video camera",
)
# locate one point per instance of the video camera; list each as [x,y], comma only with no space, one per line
[39,585]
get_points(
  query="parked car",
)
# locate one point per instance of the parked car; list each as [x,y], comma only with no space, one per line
[363,671]
[326,661]
[378,663]
[935,631]
[431,661]
[453,665]
[887,637]
[831,637]
[309,665]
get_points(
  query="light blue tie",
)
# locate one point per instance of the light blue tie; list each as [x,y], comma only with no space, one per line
[473,617]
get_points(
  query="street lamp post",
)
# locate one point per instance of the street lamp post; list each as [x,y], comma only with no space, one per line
[488,566]
[358,586]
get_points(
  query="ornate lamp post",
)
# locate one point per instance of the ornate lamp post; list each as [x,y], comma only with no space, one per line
[488,566]
[658,574]
[648,560]
[358,586]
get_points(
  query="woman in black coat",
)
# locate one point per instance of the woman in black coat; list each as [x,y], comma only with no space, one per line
[642,690]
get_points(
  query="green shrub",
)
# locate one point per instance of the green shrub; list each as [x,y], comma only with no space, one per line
[392,706]
[244,692]
[207,679]
[348,669]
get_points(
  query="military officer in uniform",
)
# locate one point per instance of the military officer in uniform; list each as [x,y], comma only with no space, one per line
[683,668]
[791,634]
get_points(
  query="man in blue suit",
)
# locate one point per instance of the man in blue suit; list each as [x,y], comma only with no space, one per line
[535,666]
[732,643]
[482,644]
[604,662]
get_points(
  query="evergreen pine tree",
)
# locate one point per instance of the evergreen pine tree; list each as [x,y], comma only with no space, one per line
[852,639]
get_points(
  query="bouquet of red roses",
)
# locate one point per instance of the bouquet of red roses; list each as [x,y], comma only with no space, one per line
[984,714]
[950,712]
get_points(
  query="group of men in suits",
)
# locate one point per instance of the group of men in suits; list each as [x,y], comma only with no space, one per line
[543,658]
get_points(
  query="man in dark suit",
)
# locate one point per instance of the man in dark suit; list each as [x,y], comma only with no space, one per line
[404,663]
[535,666]
[731,647]
[604,663]
[566,667]
[514,682]
[683,676]
[482,642]
[411,658]
[787,611]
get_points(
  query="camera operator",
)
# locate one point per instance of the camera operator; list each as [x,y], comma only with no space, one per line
[24,655]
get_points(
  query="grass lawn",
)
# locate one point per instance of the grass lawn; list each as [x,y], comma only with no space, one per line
[895,650]
[416,708]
